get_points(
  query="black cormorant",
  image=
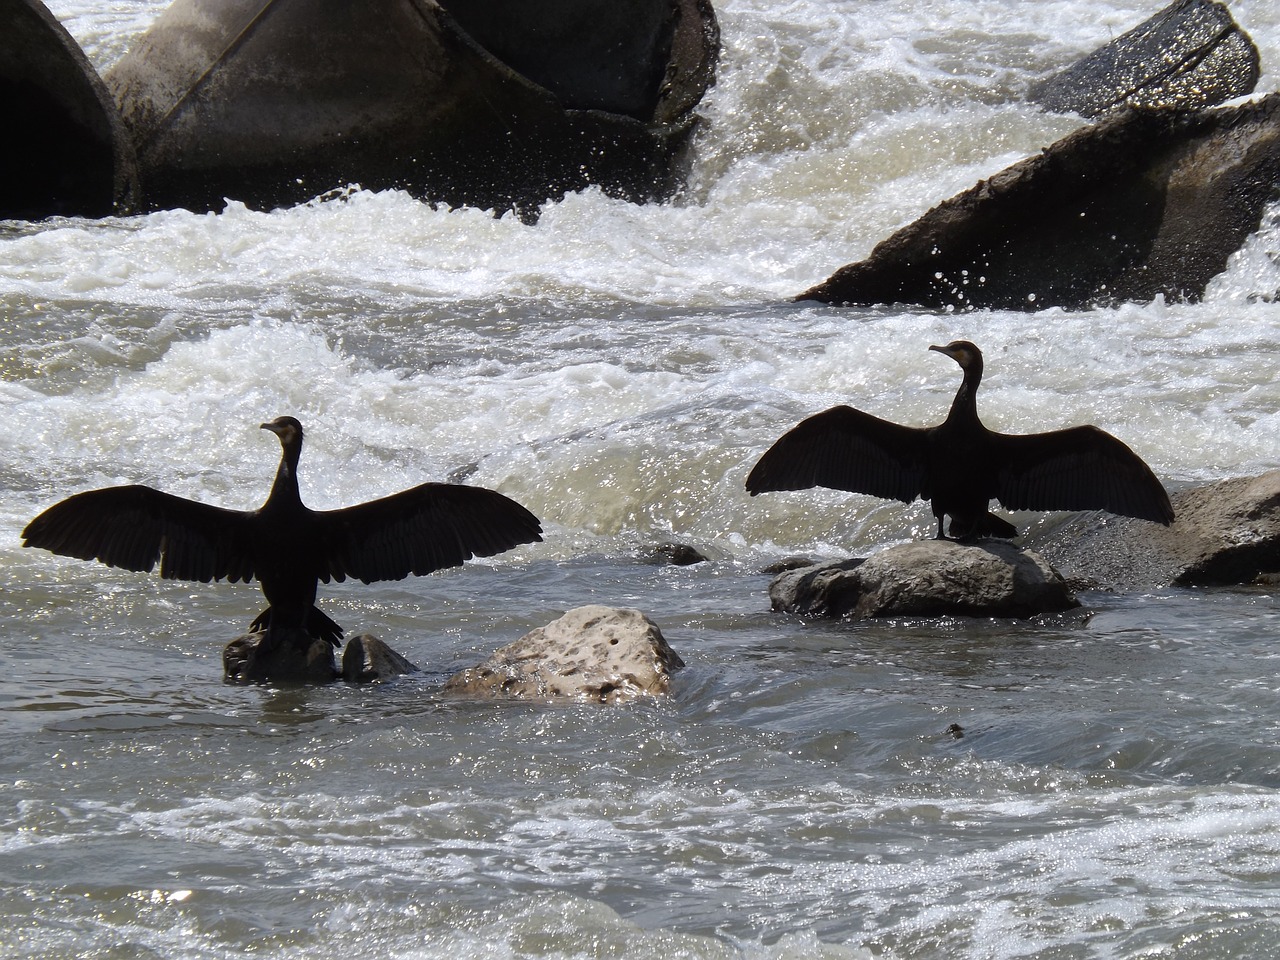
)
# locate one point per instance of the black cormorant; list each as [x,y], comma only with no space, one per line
[961,466]
[287,547]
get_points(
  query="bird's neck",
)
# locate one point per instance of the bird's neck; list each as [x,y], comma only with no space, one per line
[965,405]
[285,488]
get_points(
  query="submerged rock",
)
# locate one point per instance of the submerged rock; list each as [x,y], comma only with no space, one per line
[296,657]
[1146,203]
[1190,55]
[1225,533]
[594,652]
[672,553]
[928,578]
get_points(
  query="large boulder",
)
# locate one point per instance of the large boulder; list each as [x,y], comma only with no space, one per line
[596,653]
[488,104]
[1145,203]
[1225,533]
[928,578]
[1190,55]
[66,152]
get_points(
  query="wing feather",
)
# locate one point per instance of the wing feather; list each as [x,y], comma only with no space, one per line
[423,529]
[1080,468]
[135,527]
[845,449]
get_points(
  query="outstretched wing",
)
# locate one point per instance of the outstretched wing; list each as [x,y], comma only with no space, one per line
[845,449]
[417,531]
[134,527]
[1081,468]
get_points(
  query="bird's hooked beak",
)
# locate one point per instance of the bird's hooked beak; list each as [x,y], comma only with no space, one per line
[961,351]
[287,429]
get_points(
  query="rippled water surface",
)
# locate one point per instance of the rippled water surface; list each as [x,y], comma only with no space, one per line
[1101,784]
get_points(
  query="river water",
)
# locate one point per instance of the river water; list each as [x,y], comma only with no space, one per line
[1112,790]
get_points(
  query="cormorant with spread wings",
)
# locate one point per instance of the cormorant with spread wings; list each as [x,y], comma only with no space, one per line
[960,465]
[287,547]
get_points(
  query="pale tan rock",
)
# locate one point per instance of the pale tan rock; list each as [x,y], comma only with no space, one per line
[929,578]
[595,653]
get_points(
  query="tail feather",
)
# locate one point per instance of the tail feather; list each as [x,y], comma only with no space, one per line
[318,625]
[993,526]
[987,525]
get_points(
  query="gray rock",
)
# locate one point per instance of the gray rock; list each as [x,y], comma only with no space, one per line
[594,652]
[1225,533]
[929,578]
[1190,55]
[366,658]
[1145,203]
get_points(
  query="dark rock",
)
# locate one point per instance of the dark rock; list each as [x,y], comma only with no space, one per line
[929,578]
[293,657]
[1146,203]
[676,554]
[788,563]
[1225,533]
[273,104]
[595,653]
[1190,55]
[66,151]
[366,658]
[614,63]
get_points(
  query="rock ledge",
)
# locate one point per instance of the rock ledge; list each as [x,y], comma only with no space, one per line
[1225,533]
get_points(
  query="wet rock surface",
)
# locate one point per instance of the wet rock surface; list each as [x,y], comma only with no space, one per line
[597,653]
[1190,55]
[1143,204]
[1226,533]
[929,578]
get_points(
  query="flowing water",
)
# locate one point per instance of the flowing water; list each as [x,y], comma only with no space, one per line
[1112,789]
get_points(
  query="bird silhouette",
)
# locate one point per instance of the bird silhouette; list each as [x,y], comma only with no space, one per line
[287,547]
[960,466]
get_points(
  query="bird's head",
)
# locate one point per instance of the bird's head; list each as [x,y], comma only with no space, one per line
[287,429]
[962,352]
